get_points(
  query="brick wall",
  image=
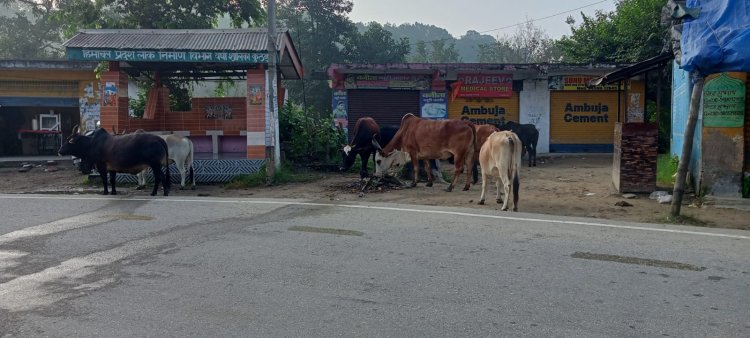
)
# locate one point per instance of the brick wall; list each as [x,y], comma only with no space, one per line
[635,153]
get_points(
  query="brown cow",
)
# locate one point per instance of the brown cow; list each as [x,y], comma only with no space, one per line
[421,139]
[500,158]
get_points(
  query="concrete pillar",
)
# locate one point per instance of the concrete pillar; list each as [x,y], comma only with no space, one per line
[114,99]
[534,109]
[256,118]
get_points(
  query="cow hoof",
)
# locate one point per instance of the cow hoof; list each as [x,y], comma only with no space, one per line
[429,184]
[466,188]
[154,194]
[499,200]
[105,193]
[413,184]
[140,187]
[114,193]
[182,187]
[515,209]
[481,202]
[504,209]
[192,188]
[449,188]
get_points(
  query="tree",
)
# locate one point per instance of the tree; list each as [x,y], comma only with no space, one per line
[630,33]
[376,45]
[26,31]
[529,44]
[438,52]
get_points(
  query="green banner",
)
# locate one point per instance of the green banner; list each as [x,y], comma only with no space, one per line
[164,56]
[724,102]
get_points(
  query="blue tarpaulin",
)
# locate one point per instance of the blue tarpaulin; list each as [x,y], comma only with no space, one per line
[718,40]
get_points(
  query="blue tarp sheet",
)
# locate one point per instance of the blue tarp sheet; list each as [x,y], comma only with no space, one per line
[719,39]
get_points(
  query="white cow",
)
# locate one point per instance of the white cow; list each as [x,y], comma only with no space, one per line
[500,157]
[181,154]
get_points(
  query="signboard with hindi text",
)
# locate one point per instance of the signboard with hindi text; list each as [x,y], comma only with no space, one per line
[724,102]
[576,82]
[165,56]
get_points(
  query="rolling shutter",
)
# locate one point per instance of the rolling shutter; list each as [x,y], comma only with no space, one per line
[579,117]
[385,106]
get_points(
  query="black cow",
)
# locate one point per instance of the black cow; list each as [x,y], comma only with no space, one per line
[365,130]
[129,153]
[529,136]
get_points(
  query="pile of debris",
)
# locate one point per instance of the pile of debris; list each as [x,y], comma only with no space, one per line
[375,184]
[49,167]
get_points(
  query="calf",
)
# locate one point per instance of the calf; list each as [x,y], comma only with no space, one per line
[500,158]
[125,154]
[529,136]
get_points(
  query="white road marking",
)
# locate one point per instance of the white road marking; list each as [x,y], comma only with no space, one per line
[69,223]
[414,210]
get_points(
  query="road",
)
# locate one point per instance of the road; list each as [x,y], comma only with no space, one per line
[95,266]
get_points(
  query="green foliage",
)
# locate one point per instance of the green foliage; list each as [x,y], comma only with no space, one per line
[529,44]
[376,45]
[438,52]
[284,174]
[27,32]
[308,138]
[629,34]
[666,167]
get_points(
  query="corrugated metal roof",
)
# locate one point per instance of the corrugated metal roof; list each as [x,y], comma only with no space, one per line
[253,39]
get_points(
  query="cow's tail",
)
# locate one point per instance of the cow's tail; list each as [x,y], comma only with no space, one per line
[167,178]
[189,161]
[512,162]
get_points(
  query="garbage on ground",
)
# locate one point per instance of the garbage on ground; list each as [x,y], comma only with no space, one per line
[666,199]
[629,196]
[656,194]
[623,204]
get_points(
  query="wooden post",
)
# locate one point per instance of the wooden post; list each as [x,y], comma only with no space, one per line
[687,145]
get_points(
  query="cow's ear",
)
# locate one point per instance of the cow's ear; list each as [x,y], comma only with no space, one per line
[75,130]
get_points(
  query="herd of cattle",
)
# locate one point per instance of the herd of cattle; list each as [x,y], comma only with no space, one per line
[496,149]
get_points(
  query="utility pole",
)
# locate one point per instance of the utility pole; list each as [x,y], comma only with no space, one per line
[271,115]
[687,145]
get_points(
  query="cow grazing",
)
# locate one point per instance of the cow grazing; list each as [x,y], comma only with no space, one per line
[124,154]
[500,158]
[181,154]
[365,130]
[420,139]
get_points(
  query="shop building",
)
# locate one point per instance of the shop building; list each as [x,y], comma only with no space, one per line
[570,114]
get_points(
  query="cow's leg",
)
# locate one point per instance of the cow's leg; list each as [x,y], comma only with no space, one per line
[533,153]
[470,167]
[475,172]
[458,168]
[498,199]
[166,182]
[181,168]
[527,148]
[364,157]
[141,180]
[484,187]
[506,190]
[102,169]
[112,180]
[192,178]
[428,170]
[158,178]
[415,167]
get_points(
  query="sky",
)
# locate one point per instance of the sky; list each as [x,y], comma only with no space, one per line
[459,16]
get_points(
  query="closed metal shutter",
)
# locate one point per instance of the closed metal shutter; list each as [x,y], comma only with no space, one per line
[385,106]
[486,110]
[578,117]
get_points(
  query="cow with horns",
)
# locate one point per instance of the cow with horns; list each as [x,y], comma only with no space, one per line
[129,153]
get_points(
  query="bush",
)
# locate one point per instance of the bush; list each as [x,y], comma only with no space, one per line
[307,138]
[285,174]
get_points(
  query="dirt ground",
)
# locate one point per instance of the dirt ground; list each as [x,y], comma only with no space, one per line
[572,185]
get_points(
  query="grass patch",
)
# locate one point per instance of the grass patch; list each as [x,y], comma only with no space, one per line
[666,167]
[285,174]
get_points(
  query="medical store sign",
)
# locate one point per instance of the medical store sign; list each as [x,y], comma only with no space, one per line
[578,82]
[387,81]
[471,85]
[165,56]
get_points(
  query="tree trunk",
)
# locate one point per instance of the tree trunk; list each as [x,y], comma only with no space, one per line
[687,146]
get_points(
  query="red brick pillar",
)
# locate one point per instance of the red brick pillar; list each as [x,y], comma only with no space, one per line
[256,114]
[114,105]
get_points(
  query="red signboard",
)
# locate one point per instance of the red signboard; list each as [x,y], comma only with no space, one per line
[483,85]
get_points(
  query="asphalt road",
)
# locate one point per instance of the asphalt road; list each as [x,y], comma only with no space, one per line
[90,266]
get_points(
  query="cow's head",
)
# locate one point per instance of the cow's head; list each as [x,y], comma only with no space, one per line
[76,144]
[348,155]
[384,162]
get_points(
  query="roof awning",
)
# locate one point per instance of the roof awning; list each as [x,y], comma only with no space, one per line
[176,52]
[633,70]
